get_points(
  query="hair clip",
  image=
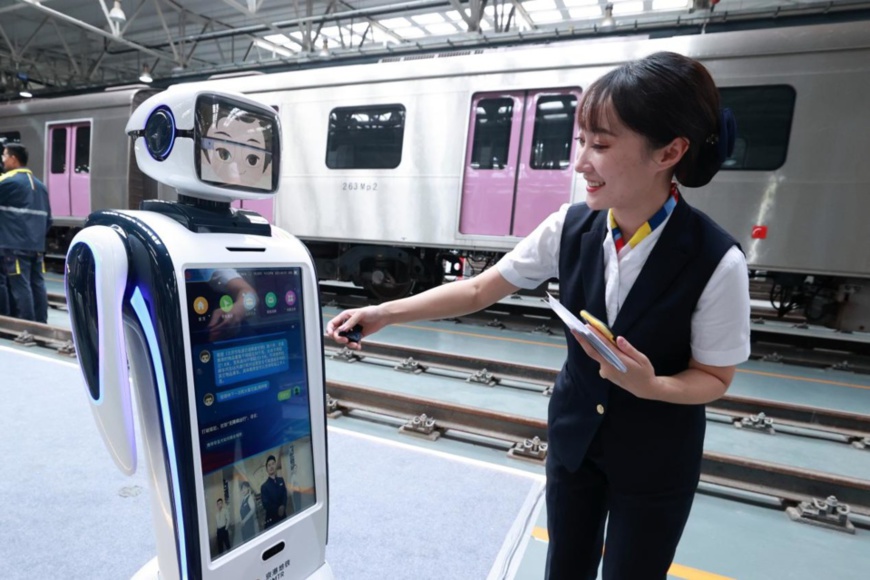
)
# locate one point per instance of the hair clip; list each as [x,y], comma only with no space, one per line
[712,139]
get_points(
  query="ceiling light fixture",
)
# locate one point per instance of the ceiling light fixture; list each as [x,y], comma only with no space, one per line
[116,14]
[23,80]
[145,77]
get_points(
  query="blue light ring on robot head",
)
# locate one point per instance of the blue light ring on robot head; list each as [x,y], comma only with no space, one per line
[160,133]
[156,128]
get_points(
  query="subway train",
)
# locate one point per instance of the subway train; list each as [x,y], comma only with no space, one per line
[400,171]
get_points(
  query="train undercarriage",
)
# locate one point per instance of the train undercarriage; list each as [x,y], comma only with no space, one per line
[388,273]
[832,301]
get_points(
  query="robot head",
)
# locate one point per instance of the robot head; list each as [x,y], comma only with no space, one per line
[217,146]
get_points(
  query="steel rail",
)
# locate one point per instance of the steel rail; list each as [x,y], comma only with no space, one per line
[790,484]
[45,334]
[785,482]
[843,423]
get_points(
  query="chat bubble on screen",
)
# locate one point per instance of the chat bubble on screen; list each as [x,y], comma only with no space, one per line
[250,361]
[244,391]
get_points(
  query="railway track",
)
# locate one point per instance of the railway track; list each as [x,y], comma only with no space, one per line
[525,437]
[790,343]
[832,351]
[849,427]
[785,486]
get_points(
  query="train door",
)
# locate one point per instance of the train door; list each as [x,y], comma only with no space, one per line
[518,162]
[546,153]
[264,207]
[69,169]
[490,164]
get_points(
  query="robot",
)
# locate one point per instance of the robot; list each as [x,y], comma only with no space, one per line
[209,318]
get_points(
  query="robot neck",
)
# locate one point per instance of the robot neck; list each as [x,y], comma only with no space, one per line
[205,204]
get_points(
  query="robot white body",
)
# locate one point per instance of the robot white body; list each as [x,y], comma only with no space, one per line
[217,315]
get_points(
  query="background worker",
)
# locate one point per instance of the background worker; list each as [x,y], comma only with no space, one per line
[25,217]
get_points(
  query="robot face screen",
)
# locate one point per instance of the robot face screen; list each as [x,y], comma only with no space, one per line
[237,145]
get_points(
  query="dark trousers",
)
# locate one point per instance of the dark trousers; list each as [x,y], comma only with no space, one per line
[643,526]
[4,289]
[223,540]
[26,285]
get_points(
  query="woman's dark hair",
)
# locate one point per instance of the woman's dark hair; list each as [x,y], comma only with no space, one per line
[662,97]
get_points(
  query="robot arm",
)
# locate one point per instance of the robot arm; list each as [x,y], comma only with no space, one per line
[96,279]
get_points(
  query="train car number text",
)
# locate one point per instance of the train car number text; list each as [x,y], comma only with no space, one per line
[359,185]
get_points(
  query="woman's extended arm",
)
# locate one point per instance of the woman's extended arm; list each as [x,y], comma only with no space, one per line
[445,301]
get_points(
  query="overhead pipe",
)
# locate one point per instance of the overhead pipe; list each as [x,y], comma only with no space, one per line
[66,18]
[691,19]
[374,10]
[334,16]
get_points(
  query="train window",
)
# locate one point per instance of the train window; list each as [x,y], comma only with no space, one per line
[82,162]
[10,137]
[492,133]
[58,150]
[764,115]
[554,127]
[367,137]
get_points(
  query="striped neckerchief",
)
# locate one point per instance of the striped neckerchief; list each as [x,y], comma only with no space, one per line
[646,229]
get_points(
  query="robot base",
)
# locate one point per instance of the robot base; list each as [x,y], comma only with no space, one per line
[150,571]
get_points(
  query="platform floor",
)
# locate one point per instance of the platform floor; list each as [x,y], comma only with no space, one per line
[394,506]
[401,507]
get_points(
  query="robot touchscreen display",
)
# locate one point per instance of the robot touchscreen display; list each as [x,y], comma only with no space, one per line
[236,144]
[252,399]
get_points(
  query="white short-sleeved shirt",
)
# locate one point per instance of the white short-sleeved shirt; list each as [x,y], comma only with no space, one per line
[720,323]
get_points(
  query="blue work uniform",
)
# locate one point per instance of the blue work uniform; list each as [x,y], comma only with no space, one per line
[612,456]
[25,217]
[273,494]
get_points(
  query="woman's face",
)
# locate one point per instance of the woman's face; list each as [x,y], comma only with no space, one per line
[616,162]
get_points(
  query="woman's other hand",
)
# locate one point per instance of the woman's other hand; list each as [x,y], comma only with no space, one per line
[639,379]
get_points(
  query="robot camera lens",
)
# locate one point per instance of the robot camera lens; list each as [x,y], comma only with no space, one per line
[160,133]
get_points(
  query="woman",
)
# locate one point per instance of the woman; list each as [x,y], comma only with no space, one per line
[625,448]
[247,512]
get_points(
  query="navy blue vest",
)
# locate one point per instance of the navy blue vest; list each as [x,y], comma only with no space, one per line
[639,440]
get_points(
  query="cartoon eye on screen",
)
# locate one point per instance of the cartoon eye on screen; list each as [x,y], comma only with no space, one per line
[235,145]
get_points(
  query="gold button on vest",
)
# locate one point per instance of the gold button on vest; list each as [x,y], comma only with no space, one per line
[600,409]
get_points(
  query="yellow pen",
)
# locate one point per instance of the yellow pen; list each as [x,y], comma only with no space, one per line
[598,325]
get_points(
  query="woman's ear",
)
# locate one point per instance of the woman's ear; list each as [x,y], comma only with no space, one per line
[669,155]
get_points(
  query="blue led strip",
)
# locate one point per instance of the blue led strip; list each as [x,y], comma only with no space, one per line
[141,310]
